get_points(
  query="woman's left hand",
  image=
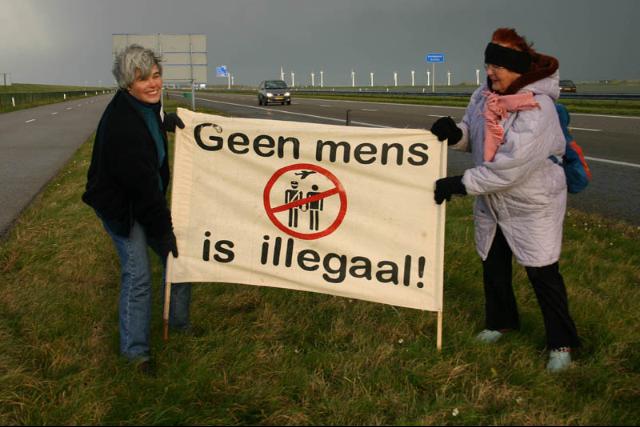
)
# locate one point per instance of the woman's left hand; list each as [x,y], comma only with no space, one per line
[171,120]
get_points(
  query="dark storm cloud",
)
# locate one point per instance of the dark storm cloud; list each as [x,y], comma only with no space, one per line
[69,41]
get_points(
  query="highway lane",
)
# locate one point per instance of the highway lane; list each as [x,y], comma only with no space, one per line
[611,143]
[35,143]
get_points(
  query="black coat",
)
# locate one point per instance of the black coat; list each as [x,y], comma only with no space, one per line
[125,182]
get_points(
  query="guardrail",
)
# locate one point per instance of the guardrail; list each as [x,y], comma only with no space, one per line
[12,100]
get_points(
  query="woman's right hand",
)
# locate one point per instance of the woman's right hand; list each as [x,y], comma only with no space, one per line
[446,128]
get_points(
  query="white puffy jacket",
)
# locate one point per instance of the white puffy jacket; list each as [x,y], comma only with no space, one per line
[520,189]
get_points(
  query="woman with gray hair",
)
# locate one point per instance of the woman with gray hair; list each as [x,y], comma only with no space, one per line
[126,186]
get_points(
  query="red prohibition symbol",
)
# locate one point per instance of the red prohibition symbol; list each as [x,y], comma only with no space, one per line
[337,190]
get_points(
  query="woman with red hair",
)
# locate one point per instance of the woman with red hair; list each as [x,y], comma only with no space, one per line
[511,127]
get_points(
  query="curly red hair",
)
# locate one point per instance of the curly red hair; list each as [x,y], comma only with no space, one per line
[510,38]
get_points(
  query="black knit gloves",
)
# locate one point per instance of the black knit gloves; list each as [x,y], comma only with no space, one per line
[171,120]
[167,244]
[446,128]
[448,186]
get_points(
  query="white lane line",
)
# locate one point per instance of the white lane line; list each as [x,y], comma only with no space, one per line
[368,109]
[325,106]
[292,113]
[69,108]
[612,162]
[462,108]
[439,116]
[594,159]
[585,129]
[29,121]
[54,113]
[606,115]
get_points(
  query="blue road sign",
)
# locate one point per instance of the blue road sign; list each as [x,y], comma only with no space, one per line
[222,71]
[434,57]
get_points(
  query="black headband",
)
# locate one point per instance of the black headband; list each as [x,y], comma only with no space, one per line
[510,59]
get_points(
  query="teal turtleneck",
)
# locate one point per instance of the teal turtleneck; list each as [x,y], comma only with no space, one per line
[150,113]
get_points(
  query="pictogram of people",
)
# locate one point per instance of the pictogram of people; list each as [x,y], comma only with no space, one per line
[292,195]
[314,209]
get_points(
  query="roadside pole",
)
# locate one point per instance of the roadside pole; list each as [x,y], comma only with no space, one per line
[433,58]
[193,95]
[433,80]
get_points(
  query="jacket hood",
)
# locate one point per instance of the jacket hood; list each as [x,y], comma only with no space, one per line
[543,78]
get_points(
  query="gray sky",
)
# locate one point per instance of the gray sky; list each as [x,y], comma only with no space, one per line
[69,41]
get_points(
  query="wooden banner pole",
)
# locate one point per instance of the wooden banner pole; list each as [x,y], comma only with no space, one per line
[169,264]
[442,216]
[439,333]
[167,299]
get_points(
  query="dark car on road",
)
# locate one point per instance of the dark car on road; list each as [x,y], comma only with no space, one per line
[273,91]
[567,86]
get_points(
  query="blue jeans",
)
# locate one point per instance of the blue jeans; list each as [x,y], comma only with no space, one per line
[135,293]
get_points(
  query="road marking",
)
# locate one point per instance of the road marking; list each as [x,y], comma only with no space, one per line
[29,121]
[613,162]
[464,108]
[271,110]
[69,108]
[606,115]
[368,109]
[440,116]
[326,106]
[54,113]
[585,129]
[392,104]
[594,159]
[461,108]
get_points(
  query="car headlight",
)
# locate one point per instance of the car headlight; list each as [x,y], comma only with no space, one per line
[287,94]
[269,94]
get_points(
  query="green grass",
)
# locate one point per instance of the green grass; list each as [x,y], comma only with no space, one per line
[614,86]
[273,356]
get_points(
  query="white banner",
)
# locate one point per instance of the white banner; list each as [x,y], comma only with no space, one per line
[339,210]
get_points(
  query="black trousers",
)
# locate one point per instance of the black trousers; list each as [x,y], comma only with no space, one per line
[501,309]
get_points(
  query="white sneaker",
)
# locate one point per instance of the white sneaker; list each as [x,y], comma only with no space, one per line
[559,360]
[489,336]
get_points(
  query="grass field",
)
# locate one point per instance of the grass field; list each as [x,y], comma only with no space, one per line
[272,356]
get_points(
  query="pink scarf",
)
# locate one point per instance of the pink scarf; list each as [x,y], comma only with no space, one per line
[497,108]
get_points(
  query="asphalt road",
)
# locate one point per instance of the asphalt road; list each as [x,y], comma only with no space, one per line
[611,143]
[34,145]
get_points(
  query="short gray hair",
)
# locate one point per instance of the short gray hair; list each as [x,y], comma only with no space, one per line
[134,58]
